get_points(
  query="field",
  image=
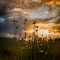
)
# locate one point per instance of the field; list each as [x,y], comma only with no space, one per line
[31,51]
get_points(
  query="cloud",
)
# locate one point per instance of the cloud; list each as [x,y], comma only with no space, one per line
[26,4]
[2,19]
[2,9]
[7,27]
[19,10]
[57,19]
[43,12]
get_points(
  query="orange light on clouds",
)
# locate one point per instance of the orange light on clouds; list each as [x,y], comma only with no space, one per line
[54,3]
[30,31]
[44,29]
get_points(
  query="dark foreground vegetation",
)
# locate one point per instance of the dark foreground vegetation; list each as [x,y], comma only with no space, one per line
[30,50]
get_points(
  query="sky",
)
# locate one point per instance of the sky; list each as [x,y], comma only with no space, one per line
[46,13]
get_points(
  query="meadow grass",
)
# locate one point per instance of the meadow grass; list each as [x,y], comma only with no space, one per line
[31,51]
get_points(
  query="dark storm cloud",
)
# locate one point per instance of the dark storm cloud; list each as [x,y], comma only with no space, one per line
[7,26]
[7,4]
[3,8]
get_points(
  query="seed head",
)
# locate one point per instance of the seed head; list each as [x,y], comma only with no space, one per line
[34,22]
[16,27]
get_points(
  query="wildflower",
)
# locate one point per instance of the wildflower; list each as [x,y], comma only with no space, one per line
[19,34]
[33,33]
[16,27]
[34,22]
[25,33]
[29,40]
[36,30]
[14,21]
[36,26]
[29,36]
[41,51]
[25,20]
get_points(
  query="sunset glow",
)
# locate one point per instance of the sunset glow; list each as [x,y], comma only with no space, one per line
[45,13]
[29,29]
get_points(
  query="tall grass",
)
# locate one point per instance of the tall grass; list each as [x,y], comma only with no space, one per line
[31,51]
